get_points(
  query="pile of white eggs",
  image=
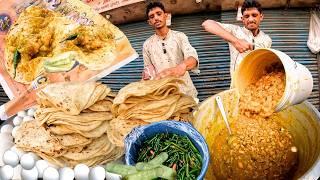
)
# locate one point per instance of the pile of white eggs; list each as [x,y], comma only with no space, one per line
[16,164]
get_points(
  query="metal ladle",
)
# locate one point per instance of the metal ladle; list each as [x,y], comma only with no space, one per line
[223,113]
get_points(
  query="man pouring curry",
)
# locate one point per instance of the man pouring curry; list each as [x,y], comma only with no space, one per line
[241,40]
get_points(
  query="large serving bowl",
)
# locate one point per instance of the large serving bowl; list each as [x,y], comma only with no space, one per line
[302,121]
[138,135]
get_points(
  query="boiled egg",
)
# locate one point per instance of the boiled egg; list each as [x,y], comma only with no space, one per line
[27,161]
[31,174]
[41,165]
[50,173]
[31,112]
[18,151]
[6,128]
[81,172]
[17,120]
[27,118]
[17,172]
[6,172]
[14,131]
[22,114]
[66,173]
[5,144]
[97,173]
[6,137]
[10,158]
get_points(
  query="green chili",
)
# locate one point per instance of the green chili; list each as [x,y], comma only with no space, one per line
[161,158]
[155,162]
[161,171]
[16,61]
[120,169]
[69,38]
[181,153]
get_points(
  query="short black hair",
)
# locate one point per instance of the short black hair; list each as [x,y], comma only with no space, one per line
[154,5]
[251,4]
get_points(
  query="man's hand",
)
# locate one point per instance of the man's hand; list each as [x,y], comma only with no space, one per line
[242,45]
[149,72]
[145,76]
[177,71]
[215,28]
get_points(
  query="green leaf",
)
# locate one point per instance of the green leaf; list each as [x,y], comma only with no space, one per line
[71,37]
[16,61]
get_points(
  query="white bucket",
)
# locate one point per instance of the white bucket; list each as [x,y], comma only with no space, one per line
[299,80]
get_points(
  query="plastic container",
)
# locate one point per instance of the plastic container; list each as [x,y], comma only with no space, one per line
[138,135]
[299,80]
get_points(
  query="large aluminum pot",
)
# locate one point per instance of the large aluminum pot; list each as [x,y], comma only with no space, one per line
[302,120]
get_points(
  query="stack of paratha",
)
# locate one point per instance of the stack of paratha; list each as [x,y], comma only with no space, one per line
[85,123]
[70,125]
[148,101]
[153,101]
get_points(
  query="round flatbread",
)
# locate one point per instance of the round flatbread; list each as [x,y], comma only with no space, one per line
[41,35]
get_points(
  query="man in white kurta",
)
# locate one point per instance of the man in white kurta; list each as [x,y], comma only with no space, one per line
[168,52]
[241,40]
[261,40]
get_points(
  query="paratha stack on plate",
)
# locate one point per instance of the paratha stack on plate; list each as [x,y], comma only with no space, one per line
[70,125]
[85,123]
[145,102]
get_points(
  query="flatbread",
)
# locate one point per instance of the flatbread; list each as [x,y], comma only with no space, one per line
[40,34]
[71,97]
[142,88]
[101,106]
[31,136]
[118,129]
[153,101]
[116,153]
[72,140]
[152,111]
[99,146]
[68,129]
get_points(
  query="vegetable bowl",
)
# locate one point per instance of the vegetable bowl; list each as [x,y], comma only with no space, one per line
[183,143]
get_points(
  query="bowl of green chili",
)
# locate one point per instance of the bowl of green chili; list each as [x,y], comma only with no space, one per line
[187,150]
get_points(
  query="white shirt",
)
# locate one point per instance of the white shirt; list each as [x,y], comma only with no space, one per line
[261,40]
[168,53]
